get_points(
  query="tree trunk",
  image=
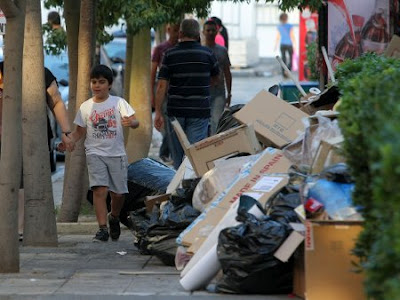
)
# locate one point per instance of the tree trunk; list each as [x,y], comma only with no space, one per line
[76,184]
[11,152]
[40,222]
[127,77]
[72,17]
[139,97]
[161,34]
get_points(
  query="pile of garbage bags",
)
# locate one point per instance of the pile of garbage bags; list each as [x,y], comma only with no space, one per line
[155,233]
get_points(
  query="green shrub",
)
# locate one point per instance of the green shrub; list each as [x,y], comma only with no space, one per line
[370,122]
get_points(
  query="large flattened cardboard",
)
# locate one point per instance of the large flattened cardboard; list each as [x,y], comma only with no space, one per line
[203,153]
[328,261]
[276,122]
[261,180]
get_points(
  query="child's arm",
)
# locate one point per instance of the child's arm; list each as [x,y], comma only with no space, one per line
[78,133]
[131,122]
[75,136]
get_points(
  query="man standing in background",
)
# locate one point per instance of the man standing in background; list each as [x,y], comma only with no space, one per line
[156,59]
[218,99]
[187,71]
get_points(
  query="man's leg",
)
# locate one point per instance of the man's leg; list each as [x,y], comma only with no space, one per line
[164,149]
[177,150]
[217,108]
[290,53]
[196,129]
[283,56]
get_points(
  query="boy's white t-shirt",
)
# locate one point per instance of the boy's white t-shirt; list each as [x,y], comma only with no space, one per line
[104,132]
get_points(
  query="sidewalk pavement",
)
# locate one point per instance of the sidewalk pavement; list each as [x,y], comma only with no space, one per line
[81,269]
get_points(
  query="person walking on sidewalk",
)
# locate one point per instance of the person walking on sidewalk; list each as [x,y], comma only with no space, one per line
[156,59]
[100,121]
[187,70]
[217,92]
[285,37]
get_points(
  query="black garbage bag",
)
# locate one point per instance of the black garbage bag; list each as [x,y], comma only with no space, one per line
[185,194]
[227,121]
[155,233]
[146,177]
[281,207]
[337,173]
[178,217]
[246,253]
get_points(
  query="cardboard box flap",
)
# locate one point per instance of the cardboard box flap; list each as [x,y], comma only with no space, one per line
[275,121]
[202,154]
[181,135]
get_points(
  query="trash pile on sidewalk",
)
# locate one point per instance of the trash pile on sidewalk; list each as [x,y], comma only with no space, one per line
[235,214]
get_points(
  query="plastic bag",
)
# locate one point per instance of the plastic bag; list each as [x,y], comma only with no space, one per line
[217,180]
[246,253]
[227,121]
[338,173]
[281,208]
[303,150]
[336,198]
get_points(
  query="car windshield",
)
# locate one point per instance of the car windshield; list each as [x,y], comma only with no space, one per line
[116,48]
[58,65]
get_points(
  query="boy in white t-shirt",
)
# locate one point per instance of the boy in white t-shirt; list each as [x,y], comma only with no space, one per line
[100,120]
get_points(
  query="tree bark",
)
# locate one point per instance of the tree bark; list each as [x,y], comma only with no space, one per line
[11,151]
[127,77]
[76,184]
[40,222]
[72,17]
[139,140]
[161,34]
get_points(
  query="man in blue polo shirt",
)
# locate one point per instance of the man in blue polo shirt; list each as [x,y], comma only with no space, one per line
[187,71]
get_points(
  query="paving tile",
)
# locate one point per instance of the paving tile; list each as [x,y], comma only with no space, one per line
[31,286]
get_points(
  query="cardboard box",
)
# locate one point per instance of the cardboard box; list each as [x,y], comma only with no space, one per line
[393,50]
[289,246]
[262,180]
[203,153]
[150,201]
[328,154]
[329,272]
[276,122]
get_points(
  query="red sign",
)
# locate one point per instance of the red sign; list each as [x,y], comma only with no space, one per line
[308,33]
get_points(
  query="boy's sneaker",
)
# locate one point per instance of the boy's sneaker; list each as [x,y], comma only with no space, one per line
[115,229]
[101,235]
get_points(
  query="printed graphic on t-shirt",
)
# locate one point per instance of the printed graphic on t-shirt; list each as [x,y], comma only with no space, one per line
[104,124]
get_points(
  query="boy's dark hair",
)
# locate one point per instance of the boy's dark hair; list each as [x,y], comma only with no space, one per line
[102,71]
[210,22]
[54,18]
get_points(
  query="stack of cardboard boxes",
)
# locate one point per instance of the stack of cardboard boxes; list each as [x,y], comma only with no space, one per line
[325,270]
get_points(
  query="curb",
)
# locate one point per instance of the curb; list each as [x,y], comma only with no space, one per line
[77,228]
